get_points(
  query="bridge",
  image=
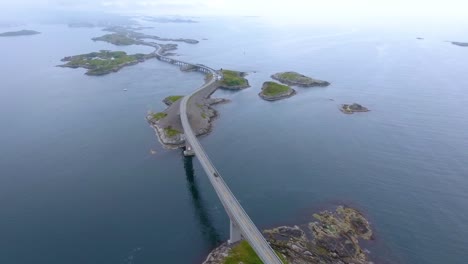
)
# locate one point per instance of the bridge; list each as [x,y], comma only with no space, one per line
[241,226]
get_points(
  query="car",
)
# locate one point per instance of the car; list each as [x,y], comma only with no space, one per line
[215,174]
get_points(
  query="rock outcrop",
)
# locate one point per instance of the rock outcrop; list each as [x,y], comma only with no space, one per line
[353,108]
[332,238]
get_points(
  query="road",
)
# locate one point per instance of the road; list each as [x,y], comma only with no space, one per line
[232,206]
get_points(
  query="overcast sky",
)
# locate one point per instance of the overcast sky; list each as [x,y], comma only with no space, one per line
[322,8]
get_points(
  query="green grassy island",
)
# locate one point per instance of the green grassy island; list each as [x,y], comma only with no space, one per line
[272,91]
[116,39]
[297,79]
[19,33]
[104,62]
[234,80]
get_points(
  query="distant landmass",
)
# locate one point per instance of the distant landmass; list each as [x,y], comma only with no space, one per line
[169,20]
[81,25]
[19,33]
[462,44]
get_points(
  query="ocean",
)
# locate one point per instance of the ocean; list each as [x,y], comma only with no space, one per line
[83,178]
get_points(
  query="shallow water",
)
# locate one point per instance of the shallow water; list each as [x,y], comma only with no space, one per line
[78,183]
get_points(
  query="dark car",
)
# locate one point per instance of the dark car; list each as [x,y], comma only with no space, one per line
[215,174]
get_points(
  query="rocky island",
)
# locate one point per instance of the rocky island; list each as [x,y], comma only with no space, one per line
[349,109]
[272,91]
[297,79]
[461,44]
[167,123]
[234,80]
[19,33]
[334,237]
[104,62]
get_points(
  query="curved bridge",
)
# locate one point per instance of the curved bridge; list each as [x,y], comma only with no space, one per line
[241,225]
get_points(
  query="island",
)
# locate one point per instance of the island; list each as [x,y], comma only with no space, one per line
[461,44]
[116,39]
[334,237]
[234,80]
[272,91]
[167,123]
[353,108]
[104,62]
[19,33]
[297,79]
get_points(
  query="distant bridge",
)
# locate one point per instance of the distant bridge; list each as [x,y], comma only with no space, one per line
[240,223]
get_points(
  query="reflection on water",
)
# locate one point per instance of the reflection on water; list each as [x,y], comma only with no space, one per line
[206,226]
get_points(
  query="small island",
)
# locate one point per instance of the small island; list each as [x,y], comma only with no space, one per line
[234,80]
[19,33]
[297,79]
[334,237]
[353,108]
[272,91]
[461,44]
[104,62]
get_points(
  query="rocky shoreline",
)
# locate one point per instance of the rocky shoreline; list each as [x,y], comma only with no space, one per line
[333,237]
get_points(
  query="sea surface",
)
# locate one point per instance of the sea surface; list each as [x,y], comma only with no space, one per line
[83,178]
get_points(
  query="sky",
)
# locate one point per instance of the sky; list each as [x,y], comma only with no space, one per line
[312,8]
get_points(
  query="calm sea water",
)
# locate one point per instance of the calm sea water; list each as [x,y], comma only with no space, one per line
[78,182]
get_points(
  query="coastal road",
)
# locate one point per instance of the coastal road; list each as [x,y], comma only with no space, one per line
[232,206]
[236,213]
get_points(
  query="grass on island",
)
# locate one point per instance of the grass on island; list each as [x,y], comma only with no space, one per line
[116,39]
[291,76]
[170,132]
[233,78]
[174,98]
[243,253]
[102,62]
[273,89]
[203,115]
[159,116]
